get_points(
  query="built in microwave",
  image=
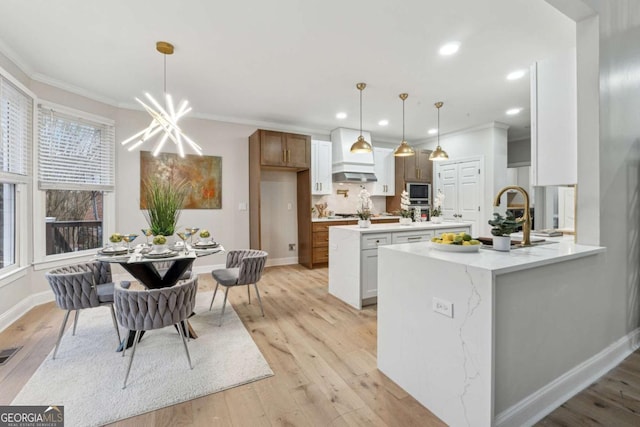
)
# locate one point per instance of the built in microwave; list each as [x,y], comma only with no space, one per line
[419,191]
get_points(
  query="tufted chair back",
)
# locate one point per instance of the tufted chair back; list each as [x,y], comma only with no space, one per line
[155,308]
[251,263]
[76,286]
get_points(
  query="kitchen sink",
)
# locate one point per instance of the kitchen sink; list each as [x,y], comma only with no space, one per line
[487,242]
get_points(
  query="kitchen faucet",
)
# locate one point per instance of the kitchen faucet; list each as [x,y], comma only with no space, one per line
[526,227]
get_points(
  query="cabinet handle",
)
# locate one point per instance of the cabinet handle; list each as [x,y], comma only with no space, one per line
[289,156]
[320,186]
[414,238]
[284,156]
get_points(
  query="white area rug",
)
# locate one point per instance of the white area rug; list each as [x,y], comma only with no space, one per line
[87,374]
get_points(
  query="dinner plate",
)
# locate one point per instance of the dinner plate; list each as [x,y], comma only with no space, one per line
[166,254]
[206,245]
[455,248]
[113,252]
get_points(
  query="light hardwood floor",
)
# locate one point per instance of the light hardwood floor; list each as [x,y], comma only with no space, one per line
[323,354]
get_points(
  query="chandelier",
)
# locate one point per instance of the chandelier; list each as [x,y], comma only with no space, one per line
[164,119]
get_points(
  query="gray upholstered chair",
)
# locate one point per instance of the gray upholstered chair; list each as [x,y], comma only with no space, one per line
[144,310]
[81,286]
[244,267]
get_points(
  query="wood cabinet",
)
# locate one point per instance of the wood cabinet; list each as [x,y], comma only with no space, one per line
[321,168]
[280,149]
[418,168]
[270,150]
[320,238]
[384,168]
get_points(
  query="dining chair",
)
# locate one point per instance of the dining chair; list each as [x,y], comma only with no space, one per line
[243,267]
[80,286]
[144,310]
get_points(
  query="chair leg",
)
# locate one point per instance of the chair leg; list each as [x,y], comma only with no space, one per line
[125,342]
[64,323]
[255,285]
[249,293]
[75,322]
[214,296]
[184,342]
[115,322]
[224,304]
[133,353]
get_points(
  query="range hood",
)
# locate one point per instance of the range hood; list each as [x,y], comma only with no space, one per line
[347,166]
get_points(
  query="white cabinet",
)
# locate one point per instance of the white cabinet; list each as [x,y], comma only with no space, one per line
[460,182]
[384,168]
[554,125]
[369,265]
[320,167]
[412,236]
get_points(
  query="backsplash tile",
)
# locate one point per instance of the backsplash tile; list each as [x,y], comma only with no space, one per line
[340,204]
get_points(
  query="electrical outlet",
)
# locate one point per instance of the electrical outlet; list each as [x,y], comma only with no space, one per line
[292,246]
[443,307]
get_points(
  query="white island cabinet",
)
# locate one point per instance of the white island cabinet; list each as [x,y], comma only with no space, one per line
[492,338]
[353,255]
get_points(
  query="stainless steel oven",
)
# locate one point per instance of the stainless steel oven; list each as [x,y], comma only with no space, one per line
[419,193]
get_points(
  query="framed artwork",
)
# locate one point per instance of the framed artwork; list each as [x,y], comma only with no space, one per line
[202,175]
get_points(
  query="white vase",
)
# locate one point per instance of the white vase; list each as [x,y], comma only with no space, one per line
[436,219]
[405,221]
[364,223]
[502,243]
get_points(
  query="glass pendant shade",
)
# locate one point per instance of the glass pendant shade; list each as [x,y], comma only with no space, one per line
[361,145]
[404,149]
[438,154]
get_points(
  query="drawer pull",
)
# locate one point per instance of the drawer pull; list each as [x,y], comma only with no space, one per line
[414,238]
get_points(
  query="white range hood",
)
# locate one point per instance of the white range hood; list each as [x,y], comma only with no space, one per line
[348,166]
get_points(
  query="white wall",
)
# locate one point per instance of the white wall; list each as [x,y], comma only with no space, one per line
[519,152]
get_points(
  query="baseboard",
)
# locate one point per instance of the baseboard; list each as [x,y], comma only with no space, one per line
[539,404]
[20,309]
[281,261]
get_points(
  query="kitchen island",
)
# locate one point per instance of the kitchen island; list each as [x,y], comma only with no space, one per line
[353,255]
[489,338]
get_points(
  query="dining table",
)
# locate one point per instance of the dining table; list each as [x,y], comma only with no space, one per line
[142,263]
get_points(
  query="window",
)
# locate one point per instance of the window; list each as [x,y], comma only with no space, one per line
[75,169]
[16,139]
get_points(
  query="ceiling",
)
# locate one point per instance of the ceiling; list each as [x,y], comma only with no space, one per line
[294,63]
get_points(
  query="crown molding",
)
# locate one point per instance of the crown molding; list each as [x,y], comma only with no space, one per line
[490,125]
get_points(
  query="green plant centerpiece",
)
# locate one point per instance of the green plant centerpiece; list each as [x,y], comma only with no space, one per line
[164,200]
[504,226]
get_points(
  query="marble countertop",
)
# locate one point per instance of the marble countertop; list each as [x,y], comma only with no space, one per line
[503,262]
[381,228]
[353,218]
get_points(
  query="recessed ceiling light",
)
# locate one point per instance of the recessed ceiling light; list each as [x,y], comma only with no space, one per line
[383,122]
[432,131]
[515,75]
[449,48]
[513,111]
[341,116]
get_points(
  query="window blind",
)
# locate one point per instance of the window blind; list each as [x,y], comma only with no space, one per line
[16,128]
[74,153]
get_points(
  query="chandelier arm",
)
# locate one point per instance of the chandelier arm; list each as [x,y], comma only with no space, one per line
[158,148]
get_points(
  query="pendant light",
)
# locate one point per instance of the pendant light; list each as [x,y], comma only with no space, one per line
[438,154]
[164,119]
[361,146]
[404,149]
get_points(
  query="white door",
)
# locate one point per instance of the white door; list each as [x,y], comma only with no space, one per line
[469,193]
[384,167]
[448,183]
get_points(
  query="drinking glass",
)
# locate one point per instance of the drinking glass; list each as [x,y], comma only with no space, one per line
[192,231]
[184,235]
[129,238]
[148,233]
